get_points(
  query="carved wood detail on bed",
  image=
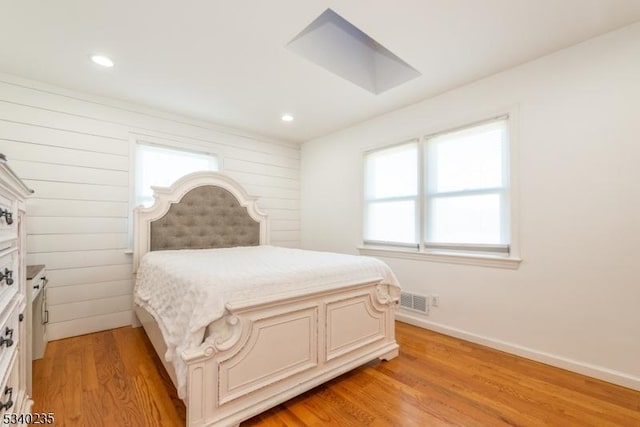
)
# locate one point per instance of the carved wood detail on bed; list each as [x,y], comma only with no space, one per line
[252,362]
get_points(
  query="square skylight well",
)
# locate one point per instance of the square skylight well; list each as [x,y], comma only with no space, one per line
[339,47]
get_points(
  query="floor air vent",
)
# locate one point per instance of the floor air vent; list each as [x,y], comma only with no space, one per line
[414,302]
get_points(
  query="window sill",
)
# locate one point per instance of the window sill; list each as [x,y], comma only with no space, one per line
[482,260]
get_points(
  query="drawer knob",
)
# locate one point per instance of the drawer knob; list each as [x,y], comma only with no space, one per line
[8,216]
[9,403]
[7,276]
[7,339]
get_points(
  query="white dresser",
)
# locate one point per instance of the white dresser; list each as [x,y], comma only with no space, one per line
[14,335]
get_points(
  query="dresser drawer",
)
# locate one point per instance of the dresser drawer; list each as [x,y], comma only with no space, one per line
[9,272]
[9,336]
[36,280]
[10,388]
[8,219]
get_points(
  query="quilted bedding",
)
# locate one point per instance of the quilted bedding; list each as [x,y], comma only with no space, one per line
[186,290]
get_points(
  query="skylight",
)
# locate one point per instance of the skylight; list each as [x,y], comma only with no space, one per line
[335,44]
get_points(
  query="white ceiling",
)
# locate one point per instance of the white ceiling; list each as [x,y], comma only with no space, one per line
[227,61]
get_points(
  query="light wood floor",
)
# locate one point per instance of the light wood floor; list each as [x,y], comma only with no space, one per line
[113,378]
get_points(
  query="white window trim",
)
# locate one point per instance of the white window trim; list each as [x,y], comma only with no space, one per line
[483,260]
[140,138]
[513,260]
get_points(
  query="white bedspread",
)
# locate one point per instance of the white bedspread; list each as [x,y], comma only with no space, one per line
[186,290]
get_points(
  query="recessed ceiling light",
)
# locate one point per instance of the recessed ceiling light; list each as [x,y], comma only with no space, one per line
[287,118]
[102,60]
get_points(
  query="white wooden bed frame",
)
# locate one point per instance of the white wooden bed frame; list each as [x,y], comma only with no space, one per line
[268,350]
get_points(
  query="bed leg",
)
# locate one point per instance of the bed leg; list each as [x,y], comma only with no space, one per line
[389,355]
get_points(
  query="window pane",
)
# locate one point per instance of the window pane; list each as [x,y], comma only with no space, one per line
[466,219]
[391,221]
[468,159]
[156,166]
[392,172]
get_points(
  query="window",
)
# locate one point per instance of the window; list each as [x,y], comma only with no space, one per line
[391,195]
[450,192]
[467,189]
[161,166]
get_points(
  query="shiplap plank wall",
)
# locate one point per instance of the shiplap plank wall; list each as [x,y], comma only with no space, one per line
[73,150]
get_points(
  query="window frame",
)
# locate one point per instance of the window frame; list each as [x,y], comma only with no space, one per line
[186,153]
[474,254]
[142,139]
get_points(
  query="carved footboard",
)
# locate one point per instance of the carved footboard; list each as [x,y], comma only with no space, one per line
[264,352]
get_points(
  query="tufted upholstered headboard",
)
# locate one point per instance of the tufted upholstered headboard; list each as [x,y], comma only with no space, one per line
[199,211]
[206,217]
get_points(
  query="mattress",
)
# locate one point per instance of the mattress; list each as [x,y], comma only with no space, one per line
[186,290]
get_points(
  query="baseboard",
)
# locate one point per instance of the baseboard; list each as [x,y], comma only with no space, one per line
[73,328]
[594,371]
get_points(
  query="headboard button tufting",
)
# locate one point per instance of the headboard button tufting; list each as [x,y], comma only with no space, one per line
[206,217]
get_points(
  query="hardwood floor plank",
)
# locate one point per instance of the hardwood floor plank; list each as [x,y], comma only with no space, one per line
[428,400]
[495,369]
[61,391]
[437,385]
[130,354]
[99,410]
[148,408]
[114,378]
[113,383]
[73,401]
[161,397]
[88,370]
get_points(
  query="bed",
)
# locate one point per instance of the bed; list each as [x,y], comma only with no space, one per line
[240,325]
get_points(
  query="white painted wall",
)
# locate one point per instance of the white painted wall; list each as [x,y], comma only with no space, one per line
[73,150]
[575,300]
